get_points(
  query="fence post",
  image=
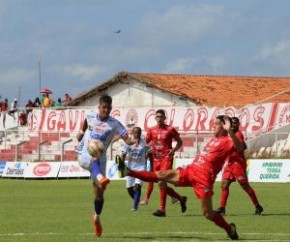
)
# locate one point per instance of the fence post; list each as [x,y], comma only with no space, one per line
[39,146]
[62,148]
[16,150]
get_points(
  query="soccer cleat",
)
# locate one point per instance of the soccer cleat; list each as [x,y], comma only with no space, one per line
[174,200]
[122,168]
[144,202]
[233,233]
[133,209]
[221,211]
[183,204]
[159,213]
[97,226]
[259,209]
[104,182]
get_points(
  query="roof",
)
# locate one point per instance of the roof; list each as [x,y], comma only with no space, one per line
[207,90]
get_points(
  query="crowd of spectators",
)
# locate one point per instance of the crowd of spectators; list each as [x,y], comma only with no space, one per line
[46,101]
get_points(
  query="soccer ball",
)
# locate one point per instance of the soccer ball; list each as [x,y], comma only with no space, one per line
[96,148]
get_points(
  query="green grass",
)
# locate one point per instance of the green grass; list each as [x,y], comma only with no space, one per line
[60,210]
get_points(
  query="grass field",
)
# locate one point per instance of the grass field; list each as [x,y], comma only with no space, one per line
[60,210]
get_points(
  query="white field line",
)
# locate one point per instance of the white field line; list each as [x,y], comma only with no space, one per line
[271,235]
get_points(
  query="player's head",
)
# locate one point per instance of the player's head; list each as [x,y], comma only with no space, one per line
[235,124]
[105,106]
[218,125]
[137,132]
[160,116]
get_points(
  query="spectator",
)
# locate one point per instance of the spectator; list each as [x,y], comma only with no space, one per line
[13,108]
[29,107]
[67,98]
[4,108]
[47,101]
[37,103]
[59,102]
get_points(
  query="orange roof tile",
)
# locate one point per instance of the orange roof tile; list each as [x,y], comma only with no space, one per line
[208,90]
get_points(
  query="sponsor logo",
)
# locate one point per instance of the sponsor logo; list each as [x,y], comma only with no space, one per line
[272,170]
[42,169]
[284,117]
[131,118]
[15,169]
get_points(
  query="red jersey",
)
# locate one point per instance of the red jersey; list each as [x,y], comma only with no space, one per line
[215,153]
[161,138]
[236,155]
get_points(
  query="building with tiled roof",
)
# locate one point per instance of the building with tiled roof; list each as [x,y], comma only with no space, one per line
[206,90]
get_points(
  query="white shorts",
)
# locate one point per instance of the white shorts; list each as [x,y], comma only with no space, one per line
[131,181]
[85,162]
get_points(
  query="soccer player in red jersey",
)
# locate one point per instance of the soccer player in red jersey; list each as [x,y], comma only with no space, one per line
[160,137]
[235,169]
[201,173]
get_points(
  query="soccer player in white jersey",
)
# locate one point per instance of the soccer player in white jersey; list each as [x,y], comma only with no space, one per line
[99,126]
[137,156]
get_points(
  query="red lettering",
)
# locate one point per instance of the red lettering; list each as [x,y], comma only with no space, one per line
[82,119]
[51,122]
[61,124]
[201,119]
[287,118]
[258,118]
[244,118]
[116,114]
[73,121]
[213,117]
[230,112]
[171,118]
[188,120]
[42,119]
[148,115]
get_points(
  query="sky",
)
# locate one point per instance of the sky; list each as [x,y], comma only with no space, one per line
[73,43]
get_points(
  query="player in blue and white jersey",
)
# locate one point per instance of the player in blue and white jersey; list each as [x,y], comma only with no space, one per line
[137,154]
[99,126]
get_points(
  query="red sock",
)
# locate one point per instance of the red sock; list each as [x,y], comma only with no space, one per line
[149,189]
[148,176]
[163,193]
[221,222]
[252,195]
[172,193]
[224,197]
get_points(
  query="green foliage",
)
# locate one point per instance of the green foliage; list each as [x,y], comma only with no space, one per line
[60,210]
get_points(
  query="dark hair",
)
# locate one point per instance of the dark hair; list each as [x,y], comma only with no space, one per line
[222,118]
[161,111]
[139,129]
[105,99]
[236,119]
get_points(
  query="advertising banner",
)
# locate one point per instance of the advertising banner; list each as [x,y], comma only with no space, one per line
[72,169]
[272,170]
[42,170]
[254,119]
[15,169]
[2,166]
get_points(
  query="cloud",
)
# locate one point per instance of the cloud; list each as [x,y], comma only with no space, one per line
[16,76]
[84,72]
[277,50]
[181,24]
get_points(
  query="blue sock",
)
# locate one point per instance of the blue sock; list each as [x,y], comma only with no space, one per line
[98,206]
[137,195]
[95,168]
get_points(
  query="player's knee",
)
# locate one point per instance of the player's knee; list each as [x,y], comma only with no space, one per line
[225,184]
[245,185]
[208,215]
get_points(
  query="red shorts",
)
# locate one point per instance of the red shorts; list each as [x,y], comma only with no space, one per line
[199,177]
[235,171]
[163,165]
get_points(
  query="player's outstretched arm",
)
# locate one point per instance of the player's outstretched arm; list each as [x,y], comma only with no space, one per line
[80,134]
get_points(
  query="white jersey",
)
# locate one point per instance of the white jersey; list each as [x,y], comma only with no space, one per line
[103,130]
[136,155]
